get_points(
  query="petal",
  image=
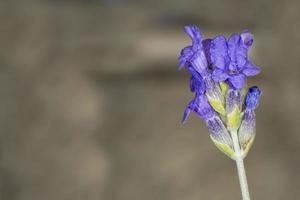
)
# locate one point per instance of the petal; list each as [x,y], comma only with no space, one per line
[197,84]
[218,52]
[186,115]
[187,53]
[185,56]
[193,84]
[219,75]
[237,81]
[206,48]
[202,108]
[237,52]
[250,69]
[233,42]
[195,35]
[193,71]
[199,63]
[247,38]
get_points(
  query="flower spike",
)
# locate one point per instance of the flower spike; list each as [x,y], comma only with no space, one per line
[219,68]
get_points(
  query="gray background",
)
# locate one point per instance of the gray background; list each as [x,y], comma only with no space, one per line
[91,101]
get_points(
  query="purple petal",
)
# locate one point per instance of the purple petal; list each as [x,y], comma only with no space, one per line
[237,81]
[218,52]
[219,75]
[237,52]
[202,108]
[247,38]
[195,35]
[250,69]
[199,63]
[206,47]
[186,115]
[197,84]
[185,56]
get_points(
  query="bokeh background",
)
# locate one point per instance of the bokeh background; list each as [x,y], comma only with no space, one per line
[91,101]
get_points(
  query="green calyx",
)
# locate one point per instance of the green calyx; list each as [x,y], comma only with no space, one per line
[231,117]
[234,119]
[246,145]
[225,148]
[217,105]
[224,88]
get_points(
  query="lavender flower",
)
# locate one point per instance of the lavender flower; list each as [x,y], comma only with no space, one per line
[218,69]
[196,59]
[194,54]
[230,59]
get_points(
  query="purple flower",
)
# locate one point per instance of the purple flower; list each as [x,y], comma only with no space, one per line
[195,54]
[230,59]
[200,106]
[222,105]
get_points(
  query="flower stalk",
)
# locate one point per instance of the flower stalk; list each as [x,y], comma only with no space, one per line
[240,166]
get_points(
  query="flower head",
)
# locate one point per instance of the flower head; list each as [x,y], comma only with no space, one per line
[230,58]
[218,70]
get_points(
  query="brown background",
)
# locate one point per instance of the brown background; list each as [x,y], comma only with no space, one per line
[91,101]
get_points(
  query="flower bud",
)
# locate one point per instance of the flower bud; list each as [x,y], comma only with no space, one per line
[233,109]
[247,129]
[220,136]
[214,95]
[252,97]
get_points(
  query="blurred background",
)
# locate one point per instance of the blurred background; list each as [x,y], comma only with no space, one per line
[91,101]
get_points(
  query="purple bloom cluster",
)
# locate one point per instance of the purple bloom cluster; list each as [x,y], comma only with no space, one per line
[225,60]
[219,68]
[230,59]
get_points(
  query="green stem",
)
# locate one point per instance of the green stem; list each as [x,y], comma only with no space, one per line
[240,166]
